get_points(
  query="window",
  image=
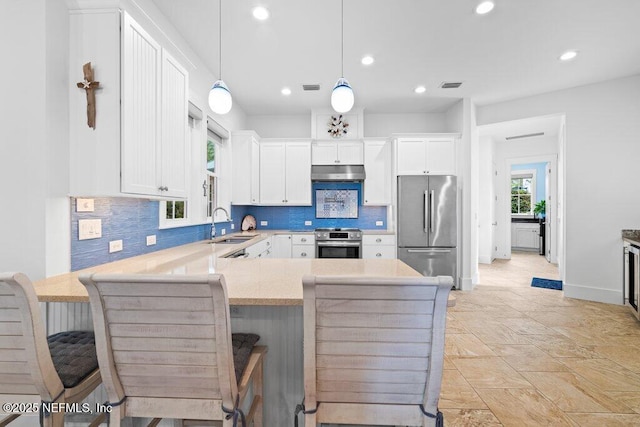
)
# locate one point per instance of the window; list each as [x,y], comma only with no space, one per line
[523,190]
[213,148]
[176,210]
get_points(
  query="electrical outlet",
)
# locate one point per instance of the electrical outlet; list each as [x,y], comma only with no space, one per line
[264,223]
[151,240]
[224,231]
[308,223]
[84,205]
[115,246]
[89,229]
[379,223]
[233,226]
[235,311]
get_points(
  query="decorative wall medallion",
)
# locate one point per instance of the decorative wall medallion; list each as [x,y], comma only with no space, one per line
[338,126]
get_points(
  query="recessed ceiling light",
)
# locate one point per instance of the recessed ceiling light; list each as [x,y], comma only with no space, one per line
[484,7]
[420,89]
[285,91]
[260,13]
[367,60]
[568,55]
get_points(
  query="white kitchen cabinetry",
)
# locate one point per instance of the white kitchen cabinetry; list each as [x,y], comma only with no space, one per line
[281,247]
[140,144]
[246,167]
[379,246]
[285,173]
[262,249]
[377,166]
[337,152]
[303,246]
[525,235]
[428,155]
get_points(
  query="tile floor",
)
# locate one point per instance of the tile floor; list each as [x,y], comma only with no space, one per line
[522,356]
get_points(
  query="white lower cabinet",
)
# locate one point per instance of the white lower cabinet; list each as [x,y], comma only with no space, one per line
[525,235]
[281,246]
[379,246]
[303,246]
[262,249]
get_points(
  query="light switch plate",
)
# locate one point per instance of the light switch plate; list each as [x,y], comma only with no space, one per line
[151,240]
[115,246]
[264,223]
[84,205]
[308,223]
[379,223]
[224,231]
[89,229]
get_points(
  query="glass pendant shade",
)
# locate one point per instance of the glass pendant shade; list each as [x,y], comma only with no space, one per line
[220,98]
[342,96]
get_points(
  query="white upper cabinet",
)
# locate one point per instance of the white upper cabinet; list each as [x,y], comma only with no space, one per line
[337,153]
[246,168]
[140,145]
[285,173]
[428,155]
[377,167]
[155,90]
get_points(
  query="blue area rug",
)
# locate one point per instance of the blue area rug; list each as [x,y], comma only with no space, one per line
[537,282]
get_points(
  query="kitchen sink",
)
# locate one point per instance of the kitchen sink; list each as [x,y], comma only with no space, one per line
[233,239]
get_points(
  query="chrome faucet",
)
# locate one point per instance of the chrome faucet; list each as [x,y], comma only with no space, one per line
[213,216]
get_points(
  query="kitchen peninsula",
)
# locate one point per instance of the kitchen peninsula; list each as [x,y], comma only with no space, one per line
[265,294]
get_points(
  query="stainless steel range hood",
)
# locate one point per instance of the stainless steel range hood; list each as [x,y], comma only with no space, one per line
[337,173]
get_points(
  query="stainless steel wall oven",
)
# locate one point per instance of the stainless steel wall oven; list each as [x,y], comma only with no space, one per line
[338,243]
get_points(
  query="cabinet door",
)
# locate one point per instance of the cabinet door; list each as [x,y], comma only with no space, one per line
[255,171]
[141,156]
[272,173]
[324,153]
[174,146]
[411,156]
[303,251]
[298,173]
[350,153]
[377,166]
[441,156]
[281,246]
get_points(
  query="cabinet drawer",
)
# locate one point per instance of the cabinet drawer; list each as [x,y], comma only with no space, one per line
[303,239]
[379,239]
[303,251]
[379,252]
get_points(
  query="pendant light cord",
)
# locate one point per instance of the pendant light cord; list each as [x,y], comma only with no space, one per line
[220,39]
[342,37]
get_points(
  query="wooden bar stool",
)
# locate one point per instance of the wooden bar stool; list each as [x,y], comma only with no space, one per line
[166,351]
[373,349]
[40,370]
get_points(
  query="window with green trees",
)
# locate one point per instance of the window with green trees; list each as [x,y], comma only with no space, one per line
[521,195]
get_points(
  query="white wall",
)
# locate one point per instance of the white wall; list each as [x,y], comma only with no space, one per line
[453,118]
[383,125]
[280,126]
[23,145]
[602,149]
[486,199]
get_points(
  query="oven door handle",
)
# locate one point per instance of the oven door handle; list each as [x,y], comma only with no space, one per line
[338,244]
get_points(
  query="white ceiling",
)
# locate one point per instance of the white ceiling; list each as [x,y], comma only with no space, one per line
[510,53]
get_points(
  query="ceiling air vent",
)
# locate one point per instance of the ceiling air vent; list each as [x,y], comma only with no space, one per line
[450,85]
[529,135]
[311,87]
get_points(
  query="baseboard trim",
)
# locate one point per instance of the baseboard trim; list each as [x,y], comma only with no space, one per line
[466,284]
[485,259]
[607,296]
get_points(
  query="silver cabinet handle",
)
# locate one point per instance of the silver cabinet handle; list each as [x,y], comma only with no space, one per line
[429,251]
[268,243]
[303,239]
[426,211]
[303,254]
[432,213]
[378,254]
[378,240]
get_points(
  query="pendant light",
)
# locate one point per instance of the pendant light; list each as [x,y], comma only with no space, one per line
[342,95]
[219,96]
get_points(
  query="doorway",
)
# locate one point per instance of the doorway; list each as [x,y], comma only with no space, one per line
[520,145]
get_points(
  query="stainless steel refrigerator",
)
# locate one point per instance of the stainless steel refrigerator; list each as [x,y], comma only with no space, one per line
[428,224]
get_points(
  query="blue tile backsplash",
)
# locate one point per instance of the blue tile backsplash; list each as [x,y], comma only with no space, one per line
[293,217]
[132,220]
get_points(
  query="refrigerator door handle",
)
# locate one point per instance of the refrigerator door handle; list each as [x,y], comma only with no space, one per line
[432,212]
[428,251]
[425,220]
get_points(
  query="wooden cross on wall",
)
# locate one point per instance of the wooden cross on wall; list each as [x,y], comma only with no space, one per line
[90,86]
